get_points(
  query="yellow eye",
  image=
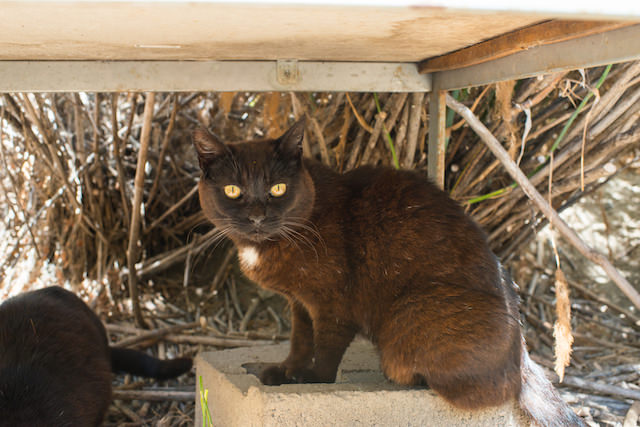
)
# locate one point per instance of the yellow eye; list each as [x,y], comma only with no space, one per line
[278,190]
[232,191]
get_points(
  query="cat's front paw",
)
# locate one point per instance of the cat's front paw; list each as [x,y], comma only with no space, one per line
[280,374]
[275,375]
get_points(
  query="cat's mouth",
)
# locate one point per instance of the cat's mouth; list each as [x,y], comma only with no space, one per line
[259,235]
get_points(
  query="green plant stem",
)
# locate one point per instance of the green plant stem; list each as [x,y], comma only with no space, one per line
[555,145]
[387,135]
[493,194]
[586,99]
[207,420]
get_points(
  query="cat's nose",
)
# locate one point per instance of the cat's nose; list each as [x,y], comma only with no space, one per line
[256,219]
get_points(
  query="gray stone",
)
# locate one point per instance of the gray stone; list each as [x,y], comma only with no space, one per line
[361,396]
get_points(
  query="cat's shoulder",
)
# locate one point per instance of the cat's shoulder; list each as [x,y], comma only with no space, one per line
[52,296]
[52,306]
[382,176]
[382,180]
[385,172]
[319,170]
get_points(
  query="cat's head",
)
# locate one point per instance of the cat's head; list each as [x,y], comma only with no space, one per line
[255,190]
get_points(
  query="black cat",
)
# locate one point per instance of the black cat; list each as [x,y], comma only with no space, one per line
[56,364]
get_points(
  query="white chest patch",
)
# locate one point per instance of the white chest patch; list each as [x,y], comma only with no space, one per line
[249,257]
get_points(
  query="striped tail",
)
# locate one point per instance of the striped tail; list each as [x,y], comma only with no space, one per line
[539,398]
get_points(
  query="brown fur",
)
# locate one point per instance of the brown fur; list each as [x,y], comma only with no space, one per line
[379,252]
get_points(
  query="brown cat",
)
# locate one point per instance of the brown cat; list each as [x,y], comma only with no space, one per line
[56,364]
[379,252]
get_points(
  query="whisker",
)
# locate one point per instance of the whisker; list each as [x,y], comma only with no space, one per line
[307,225]
[282,233]
[290,238]
[299,235]
[206,221]
[309,228]
[302,238]
[204,248]
[218,237]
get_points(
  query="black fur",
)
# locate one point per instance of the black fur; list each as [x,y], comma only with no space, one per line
[56,364]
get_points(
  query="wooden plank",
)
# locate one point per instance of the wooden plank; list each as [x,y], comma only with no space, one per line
[569,9]
[516,41]
[611,47]
[241,31]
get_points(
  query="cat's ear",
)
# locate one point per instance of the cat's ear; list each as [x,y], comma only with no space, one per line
[291,141]
[208,146]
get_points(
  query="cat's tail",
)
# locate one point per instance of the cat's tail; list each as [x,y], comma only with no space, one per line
[539,398]
[141,364]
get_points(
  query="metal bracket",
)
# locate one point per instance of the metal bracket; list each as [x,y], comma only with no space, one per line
[287,72]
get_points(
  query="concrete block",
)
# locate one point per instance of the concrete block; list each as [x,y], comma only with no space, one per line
[361,396]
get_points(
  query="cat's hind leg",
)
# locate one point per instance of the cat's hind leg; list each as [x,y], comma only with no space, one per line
[463,343]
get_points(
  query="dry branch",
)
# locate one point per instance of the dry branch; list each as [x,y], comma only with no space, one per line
[155,334]
[216,342]
[173,208]
[134,228]
[555,219]
[154,395]
[416,103]
[600,388]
